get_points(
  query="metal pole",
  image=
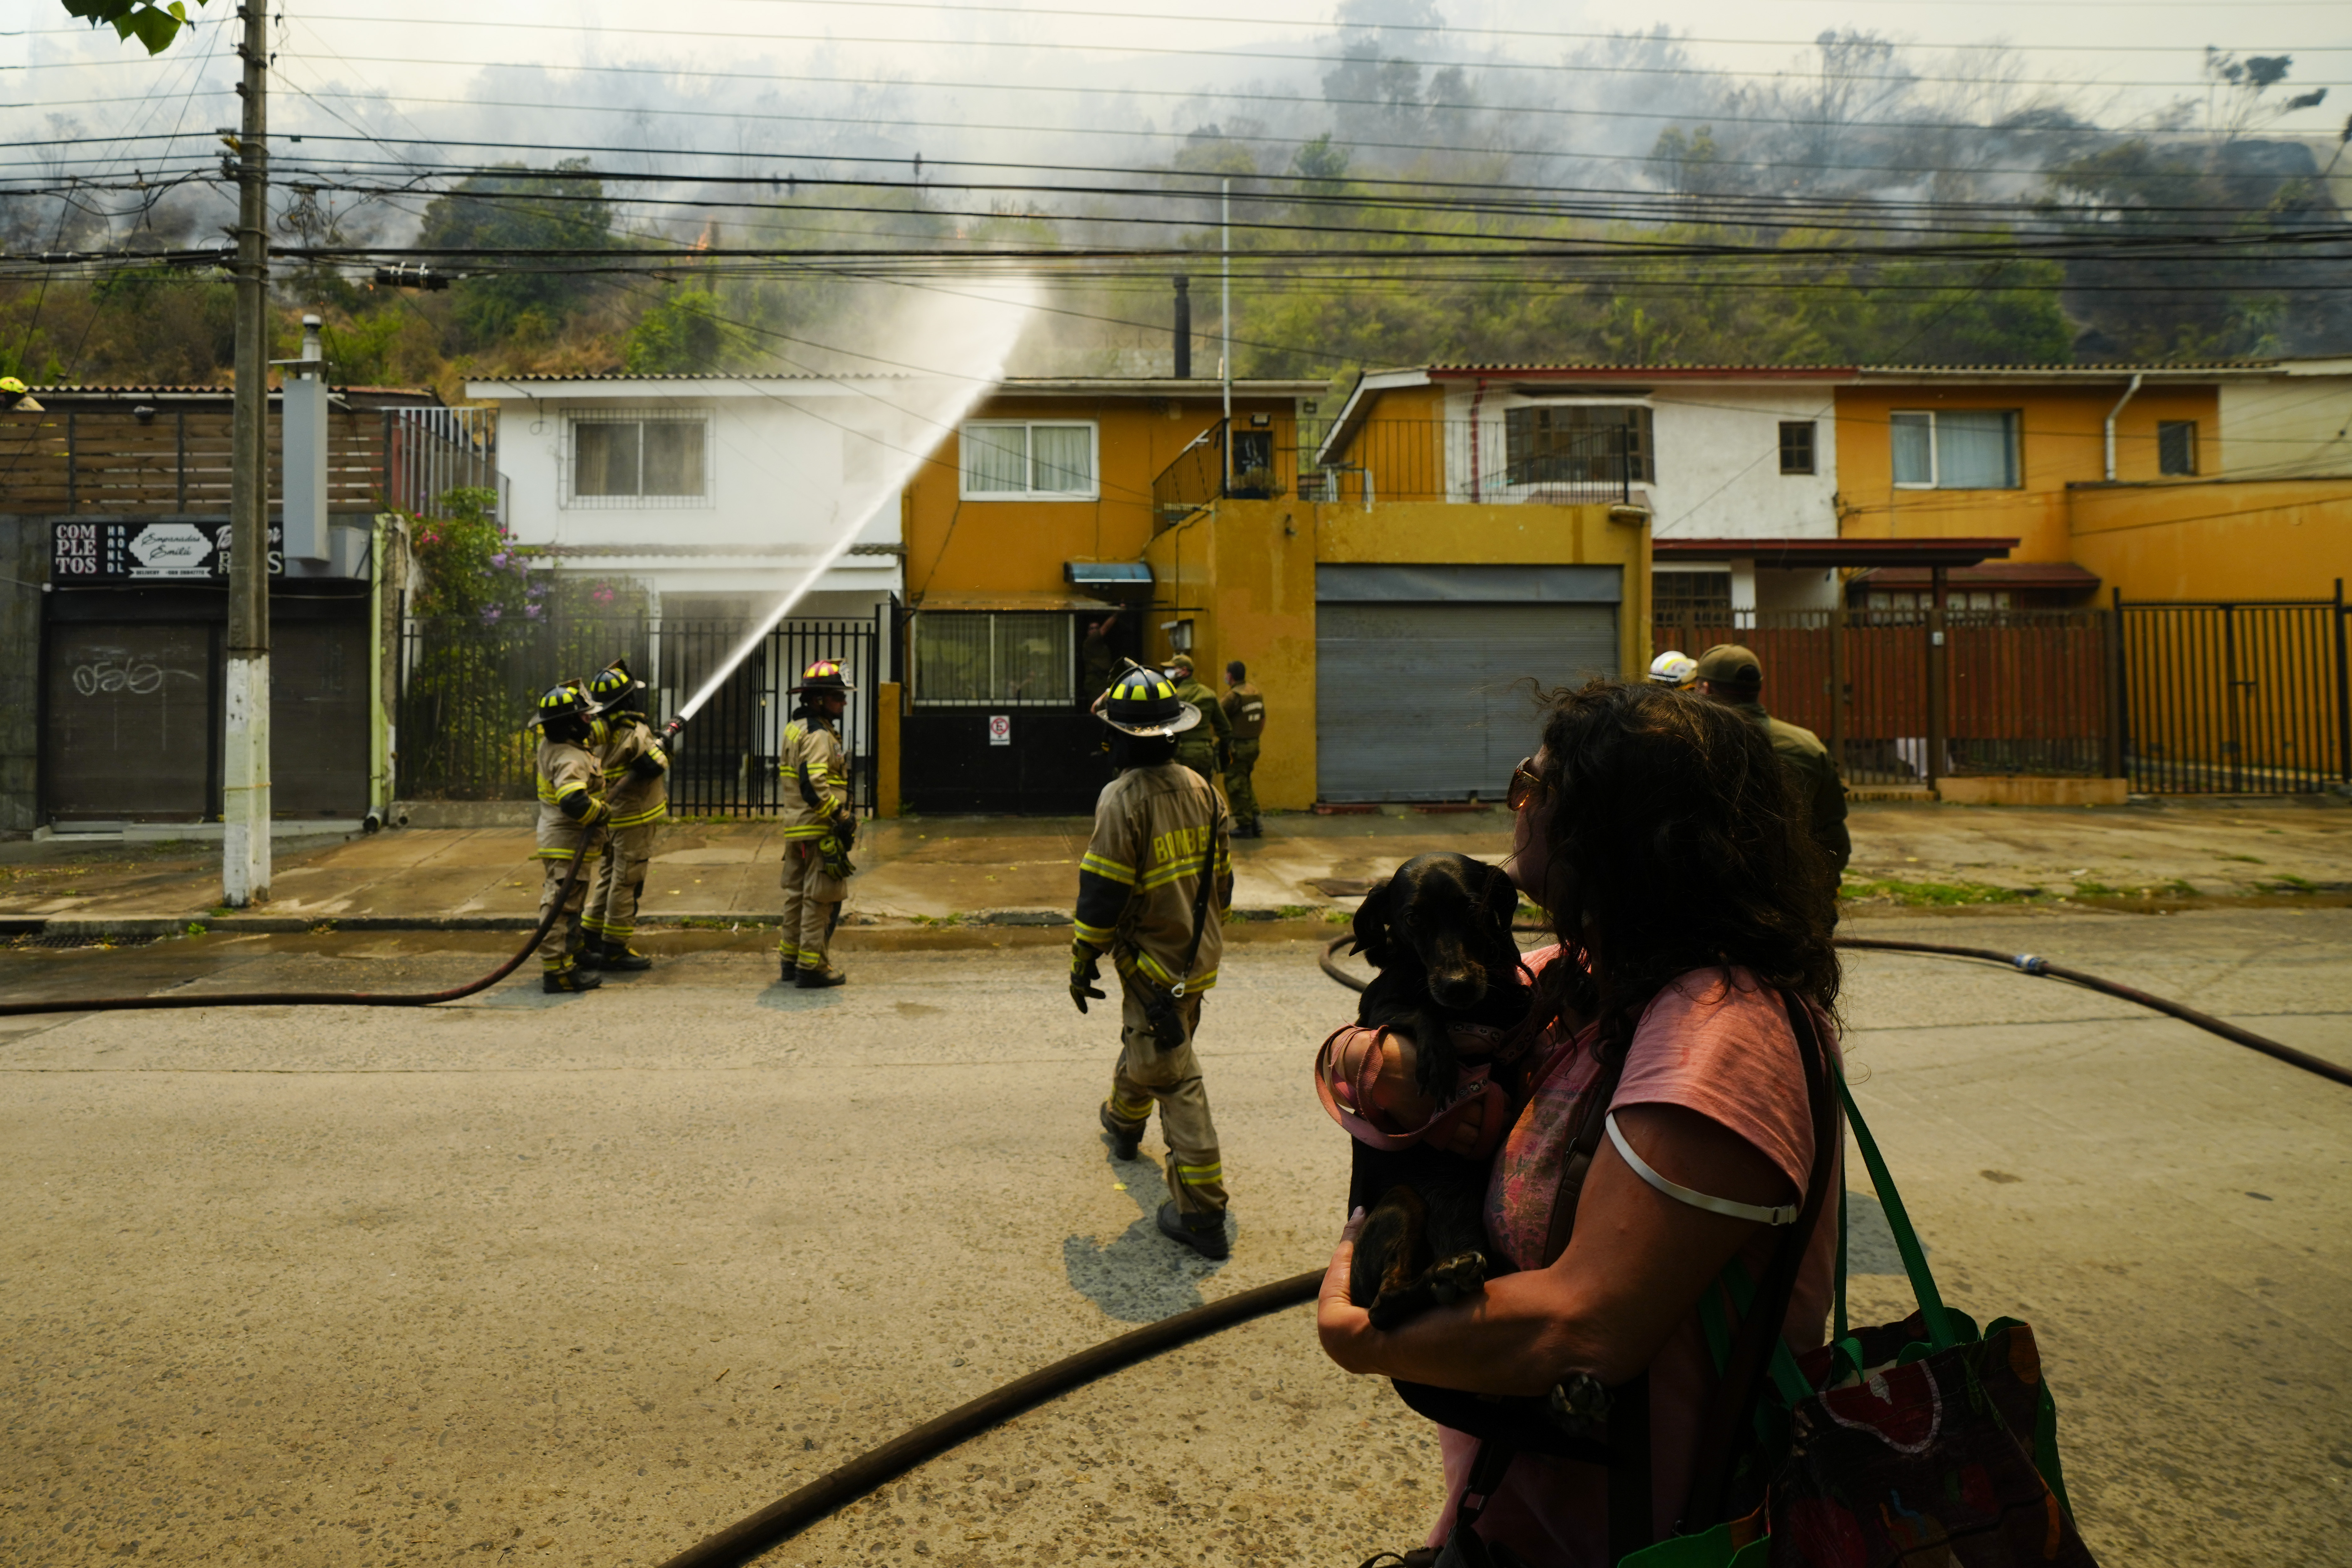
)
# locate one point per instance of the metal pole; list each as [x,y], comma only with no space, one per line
[1225,322]
[244,794]
[1935,769]
[2343,691]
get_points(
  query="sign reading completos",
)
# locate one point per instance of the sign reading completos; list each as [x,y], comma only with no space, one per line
[146,549]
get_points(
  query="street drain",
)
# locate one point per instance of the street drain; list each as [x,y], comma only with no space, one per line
[90,941]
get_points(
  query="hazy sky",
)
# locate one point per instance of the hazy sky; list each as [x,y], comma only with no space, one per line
[950,64]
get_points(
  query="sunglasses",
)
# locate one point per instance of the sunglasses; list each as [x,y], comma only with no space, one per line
[1526,785]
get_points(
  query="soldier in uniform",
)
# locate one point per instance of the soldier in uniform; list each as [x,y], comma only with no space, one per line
[1206,747]
[572,818]
[1152,888]
[1730,674]
[636,791]
[818,826]
[1245,707]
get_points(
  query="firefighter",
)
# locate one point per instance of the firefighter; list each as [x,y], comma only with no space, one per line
[572,818]
[1245,707]
[1209,747]
[1730,674]
[1151,888]
[1094,654]
[818,826]
[636,791]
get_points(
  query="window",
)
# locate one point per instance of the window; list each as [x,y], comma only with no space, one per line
[1962,450]
[1577,443]
[1008,659]
[1689,599]
[643,459]
[1005,458]
[2176,445]
[1797,446]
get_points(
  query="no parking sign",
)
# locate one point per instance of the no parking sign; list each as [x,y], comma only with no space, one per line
[1000,729]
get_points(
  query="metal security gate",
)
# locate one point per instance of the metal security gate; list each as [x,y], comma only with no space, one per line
[467,692]
[132,723]
[1422,701]
[2236,699]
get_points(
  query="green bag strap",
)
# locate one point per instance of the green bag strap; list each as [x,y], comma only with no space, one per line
[1940,1333]
[1837,1309]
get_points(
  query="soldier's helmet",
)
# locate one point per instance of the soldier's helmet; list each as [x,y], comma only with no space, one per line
[1144,702]
[824,675]
[1673,668]
[614,690]
[565,708]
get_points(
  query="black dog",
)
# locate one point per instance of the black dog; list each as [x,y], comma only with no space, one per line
[1439,931]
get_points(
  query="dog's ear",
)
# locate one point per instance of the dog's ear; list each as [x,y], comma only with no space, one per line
[1501,897]
[1372,924]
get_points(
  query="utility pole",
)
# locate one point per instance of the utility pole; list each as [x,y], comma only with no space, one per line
[245,795]
[1226,320]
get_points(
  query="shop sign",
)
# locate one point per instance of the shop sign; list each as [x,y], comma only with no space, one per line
[148,550]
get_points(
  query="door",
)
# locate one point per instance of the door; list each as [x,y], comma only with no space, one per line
[319,718]
[130,733]
[1423,701]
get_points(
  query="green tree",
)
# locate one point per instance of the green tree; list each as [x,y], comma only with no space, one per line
[556,211]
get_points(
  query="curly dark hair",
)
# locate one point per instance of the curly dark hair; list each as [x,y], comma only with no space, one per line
[1680,845]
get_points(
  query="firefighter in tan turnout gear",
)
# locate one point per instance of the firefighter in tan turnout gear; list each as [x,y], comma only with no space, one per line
[1152,888]
[572,817]
[635,770]
[818,826]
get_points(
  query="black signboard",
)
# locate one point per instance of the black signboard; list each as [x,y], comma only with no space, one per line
[148,550]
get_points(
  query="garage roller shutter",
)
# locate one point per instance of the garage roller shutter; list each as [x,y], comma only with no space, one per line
[1416,701]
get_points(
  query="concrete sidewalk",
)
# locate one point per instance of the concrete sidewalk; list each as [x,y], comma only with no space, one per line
[1023,870]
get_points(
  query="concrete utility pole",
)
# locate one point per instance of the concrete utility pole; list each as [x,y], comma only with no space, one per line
[244,795]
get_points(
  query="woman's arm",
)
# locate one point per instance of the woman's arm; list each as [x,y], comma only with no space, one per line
[1634,1269]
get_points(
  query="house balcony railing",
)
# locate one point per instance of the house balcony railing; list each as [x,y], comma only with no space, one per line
[1261,470]
[1467,460]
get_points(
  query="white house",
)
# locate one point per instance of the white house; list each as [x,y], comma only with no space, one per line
[715,493]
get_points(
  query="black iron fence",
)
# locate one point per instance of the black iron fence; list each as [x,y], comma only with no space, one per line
[2236,699]
[468,692]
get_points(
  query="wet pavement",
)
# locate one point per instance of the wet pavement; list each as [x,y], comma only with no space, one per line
[580,1279]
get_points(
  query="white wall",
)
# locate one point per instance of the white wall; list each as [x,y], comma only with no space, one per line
[2288,425]
[1718,457]
[782,481]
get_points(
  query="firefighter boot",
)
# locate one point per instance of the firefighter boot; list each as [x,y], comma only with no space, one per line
[1203,1233]
[572,978]
[619,957]
[1125,1136]
[821,978]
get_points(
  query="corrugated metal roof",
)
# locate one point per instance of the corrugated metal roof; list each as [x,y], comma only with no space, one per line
[2101,368]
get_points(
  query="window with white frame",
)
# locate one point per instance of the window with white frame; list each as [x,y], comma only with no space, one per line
[1016,459]
[637,458]
[1954,449]
[1011,658]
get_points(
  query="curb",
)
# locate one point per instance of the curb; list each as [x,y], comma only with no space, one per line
[93,926]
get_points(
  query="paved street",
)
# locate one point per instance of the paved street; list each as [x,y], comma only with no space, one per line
[579,1279]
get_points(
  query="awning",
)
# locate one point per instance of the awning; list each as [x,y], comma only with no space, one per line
[1010,600]
[1125,574]
[1798,555]
[2064,575]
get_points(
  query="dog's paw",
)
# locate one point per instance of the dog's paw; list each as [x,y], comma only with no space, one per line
[1450,1278]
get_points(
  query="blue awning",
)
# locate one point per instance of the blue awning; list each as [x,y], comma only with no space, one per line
[1107,573]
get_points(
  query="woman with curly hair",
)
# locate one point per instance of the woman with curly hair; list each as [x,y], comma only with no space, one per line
[1657,831]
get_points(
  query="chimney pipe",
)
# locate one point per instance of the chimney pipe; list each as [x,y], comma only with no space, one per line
[1183,329]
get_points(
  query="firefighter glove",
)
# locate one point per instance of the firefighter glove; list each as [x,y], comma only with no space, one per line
[1086,968]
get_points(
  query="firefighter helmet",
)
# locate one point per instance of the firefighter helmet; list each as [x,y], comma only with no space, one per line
[565,710]
[824,675]
[614,690]
[15,394]
[1144,702]
[1673,668]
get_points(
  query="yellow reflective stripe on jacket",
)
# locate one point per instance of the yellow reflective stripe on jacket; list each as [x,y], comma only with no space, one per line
[1109,869]
[653,813]
[808,830]
[1136,960]
[594,851]
[1099,936]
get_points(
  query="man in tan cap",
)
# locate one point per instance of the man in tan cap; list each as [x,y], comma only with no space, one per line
[1731,675]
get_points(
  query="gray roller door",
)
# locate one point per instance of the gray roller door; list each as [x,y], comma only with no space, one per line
[319,718]
[130,731]
[1423,701]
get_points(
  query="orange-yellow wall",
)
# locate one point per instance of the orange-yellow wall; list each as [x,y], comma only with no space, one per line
[2061,441]
[2263,538]
[1020,546]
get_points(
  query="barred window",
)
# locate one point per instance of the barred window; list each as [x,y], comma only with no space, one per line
[1009,658]
[1577,443]
[2176,445]
[636,458]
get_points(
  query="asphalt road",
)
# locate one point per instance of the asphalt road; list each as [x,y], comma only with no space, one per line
[580,1279]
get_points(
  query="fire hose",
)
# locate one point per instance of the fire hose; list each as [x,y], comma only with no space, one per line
[2024,964]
